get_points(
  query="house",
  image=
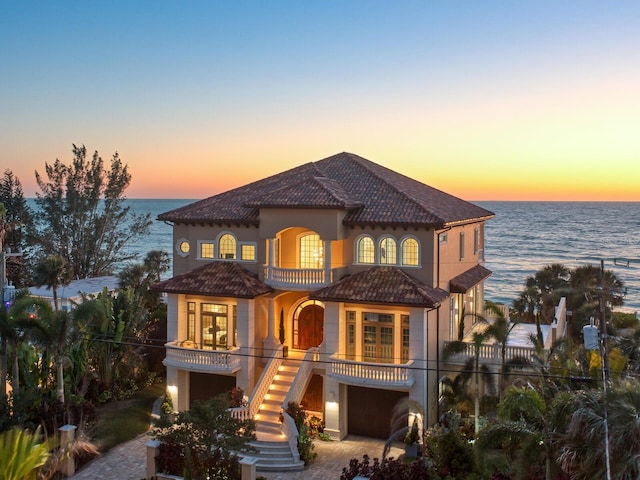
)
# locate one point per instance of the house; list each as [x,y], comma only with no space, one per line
[334,284]
[72,294]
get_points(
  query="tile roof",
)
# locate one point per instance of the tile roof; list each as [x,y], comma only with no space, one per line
[382,285]
[372,194]
[467,280]
[224,279]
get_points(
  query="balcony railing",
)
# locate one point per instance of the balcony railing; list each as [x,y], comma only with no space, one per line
[381,375]
[491,353]
[206,361]
[298,278]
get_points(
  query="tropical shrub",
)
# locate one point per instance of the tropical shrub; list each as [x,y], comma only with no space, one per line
[389,469]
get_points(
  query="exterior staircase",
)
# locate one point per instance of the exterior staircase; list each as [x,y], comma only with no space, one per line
[274,453]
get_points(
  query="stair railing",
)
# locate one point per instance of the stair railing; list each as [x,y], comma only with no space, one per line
[296,391]
[261,388]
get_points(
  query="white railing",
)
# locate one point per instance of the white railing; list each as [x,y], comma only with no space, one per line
[297,277]
[295,393]
[261,388]
[369,373]
[491,352]
[202,360]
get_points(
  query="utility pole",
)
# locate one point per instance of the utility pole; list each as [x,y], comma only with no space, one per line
[605,364]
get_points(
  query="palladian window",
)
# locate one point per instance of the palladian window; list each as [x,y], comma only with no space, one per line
[388,255]
[227,247]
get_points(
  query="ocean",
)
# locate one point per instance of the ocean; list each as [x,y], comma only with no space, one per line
[521,239]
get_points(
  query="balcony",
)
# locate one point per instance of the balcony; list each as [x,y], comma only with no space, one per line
[299,278]
[205,361]
[369,374]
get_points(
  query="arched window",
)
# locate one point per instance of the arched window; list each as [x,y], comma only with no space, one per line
[227,247]
[311,254]
[365,251]
[388,254]
[410,251]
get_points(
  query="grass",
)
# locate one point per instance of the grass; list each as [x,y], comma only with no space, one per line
[124,420]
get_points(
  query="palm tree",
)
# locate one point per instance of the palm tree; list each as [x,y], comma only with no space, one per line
[62,331]
[522,429]
[52,272]
[15,324]
[472,365]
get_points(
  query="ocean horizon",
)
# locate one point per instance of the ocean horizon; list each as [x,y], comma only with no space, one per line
[522,238]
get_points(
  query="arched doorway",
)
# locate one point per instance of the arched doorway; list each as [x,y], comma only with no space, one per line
[308,322]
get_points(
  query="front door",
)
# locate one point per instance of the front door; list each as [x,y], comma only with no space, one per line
[310,326]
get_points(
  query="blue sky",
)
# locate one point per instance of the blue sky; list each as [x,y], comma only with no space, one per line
[486,100]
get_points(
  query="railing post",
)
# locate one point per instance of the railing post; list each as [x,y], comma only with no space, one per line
[152,452]
[68,464]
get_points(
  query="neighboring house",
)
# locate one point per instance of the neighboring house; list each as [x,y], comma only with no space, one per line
[71,294]
[363,271]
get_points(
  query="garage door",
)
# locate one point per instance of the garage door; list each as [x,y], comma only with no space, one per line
[369,411]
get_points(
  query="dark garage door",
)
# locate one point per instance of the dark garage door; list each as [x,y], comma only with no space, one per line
[369,411]
[204,386]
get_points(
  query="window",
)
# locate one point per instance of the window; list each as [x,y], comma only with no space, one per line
[206,250]
[476,240]
[311,254]
[227,247]
[388,255]
[410,252]
[214,326]
[365,251]
[377,337]
[191,321]
[405,337]
[248,252]
[461,245]
[351,334]
[443,237]
[182,247]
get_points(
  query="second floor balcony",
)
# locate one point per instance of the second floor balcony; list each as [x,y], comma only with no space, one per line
[200,360]
[371,374]
[299,278]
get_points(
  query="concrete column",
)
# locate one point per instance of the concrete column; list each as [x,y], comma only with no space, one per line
[68,464]
[326,245]
[152,453]
[248,468]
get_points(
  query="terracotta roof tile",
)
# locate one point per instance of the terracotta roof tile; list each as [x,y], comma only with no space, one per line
[224,279]
[467,280]
[382,285]
[373,194]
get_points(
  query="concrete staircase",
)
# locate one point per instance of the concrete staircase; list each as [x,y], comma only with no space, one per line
[274,453]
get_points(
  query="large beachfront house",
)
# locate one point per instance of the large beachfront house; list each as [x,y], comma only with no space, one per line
[334,284]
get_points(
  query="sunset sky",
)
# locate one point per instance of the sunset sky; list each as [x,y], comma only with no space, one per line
[487,100]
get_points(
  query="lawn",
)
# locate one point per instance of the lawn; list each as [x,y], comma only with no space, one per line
[124,420]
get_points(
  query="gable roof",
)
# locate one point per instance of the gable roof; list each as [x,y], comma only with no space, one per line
[222,279]
[382,285]
[372,195]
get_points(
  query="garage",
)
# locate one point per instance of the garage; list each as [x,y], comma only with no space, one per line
[369,411]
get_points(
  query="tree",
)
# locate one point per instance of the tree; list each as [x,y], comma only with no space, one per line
[18,219]
[52,271]
[60,332]
[472,366]
[522,430]
[204,435]
[82,215]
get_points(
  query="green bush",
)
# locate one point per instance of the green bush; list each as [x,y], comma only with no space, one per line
[624,320]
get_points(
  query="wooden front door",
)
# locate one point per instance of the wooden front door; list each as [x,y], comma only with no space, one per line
[310,327]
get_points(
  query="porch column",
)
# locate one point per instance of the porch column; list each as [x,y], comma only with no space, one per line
[271,342]
[326,245]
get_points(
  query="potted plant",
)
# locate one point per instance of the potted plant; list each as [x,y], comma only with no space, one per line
[411,439]
[285,348]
